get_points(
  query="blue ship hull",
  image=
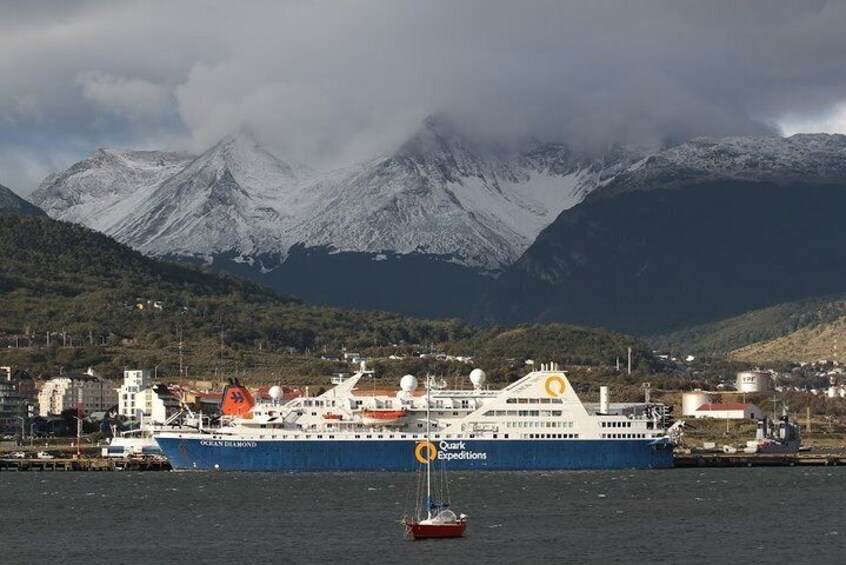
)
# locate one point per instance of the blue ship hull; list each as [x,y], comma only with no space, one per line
[402,455]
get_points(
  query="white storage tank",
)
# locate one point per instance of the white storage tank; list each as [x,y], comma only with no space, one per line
[753,381]
[691,401]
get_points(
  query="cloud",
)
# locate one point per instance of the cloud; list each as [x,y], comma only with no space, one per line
[330,84]
[131,98]
[832,121]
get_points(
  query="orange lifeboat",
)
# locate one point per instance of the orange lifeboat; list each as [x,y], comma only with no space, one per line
[383,417]
[331,416]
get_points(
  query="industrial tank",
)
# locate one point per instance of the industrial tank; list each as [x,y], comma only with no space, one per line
[753,381]
[691,401]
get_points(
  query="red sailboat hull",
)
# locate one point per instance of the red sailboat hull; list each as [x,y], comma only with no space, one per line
[428,531]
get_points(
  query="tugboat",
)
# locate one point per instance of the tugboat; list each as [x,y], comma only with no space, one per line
[443,523]
[782,436]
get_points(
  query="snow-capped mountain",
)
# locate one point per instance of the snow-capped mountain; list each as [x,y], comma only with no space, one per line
[696,233]
[435,195]
[236,197]
[107,186]
[779,159]
[419,230]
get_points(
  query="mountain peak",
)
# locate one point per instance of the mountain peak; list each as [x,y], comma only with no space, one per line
[241,153]
[243,136]
[437,146]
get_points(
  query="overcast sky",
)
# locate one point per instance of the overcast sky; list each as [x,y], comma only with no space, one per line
[330,83]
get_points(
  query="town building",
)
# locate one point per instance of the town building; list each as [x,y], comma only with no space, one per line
[89,392]
[155,404]
[134,382]
[13,411]
[729,411]
[22,381]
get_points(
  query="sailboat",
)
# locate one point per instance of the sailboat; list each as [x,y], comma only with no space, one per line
[440,521]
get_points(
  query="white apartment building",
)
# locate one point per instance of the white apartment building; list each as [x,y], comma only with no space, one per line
[134,382]
[155,405]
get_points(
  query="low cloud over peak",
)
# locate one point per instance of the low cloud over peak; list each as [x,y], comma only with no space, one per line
[333,84]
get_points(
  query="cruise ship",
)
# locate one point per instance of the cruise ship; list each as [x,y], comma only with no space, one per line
[536,423]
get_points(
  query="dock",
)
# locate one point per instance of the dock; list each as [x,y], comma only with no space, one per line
[758,459]
[86,464]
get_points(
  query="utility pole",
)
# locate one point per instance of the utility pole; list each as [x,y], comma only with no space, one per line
[630,360]
[179,330]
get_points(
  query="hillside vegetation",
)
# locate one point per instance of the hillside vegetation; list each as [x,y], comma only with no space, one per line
[801,330]
[106,305]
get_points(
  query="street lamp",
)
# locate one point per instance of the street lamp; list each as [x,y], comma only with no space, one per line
[23,430]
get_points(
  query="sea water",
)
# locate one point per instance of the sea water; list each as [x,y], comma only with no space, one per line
[745,515]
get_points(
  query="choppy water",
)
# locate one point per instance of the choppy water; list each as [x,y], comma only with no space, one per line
[785,515]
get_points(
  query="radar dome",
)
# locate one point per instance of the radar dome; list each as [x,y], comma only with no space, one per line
[477,377]
[408,383]
[275,392]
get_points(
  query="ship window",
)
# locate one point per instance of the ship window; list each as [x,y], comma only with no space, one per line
[357,436]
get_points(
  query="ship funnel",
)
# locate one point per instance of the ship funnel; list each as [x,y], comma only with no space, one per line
[603,400]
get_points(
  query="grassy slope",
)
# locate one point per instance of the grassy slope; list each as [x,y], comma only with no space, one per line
[792,331]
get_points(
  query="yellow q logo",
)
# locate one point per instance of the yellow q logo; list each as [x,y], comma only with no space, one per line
[555,386]
[431,452]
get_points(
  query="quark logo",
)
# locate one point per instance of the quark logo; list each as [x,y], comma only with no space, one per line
[425,451]
[446,451]
[555,386]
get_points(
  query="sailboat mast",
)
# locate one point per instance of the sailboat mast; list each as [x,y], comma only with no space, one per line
[428,451]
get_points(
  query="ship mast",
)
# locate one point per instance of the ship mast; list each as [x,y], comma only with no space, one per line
[428,451]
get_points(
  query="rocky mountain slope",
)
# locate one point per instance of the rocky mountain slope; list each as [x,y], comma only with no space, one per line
[697,233]
[435,195]
[102,189]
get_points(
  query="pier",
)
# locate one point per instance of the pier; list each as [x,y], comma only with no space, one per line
[758,459]
[85,464]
